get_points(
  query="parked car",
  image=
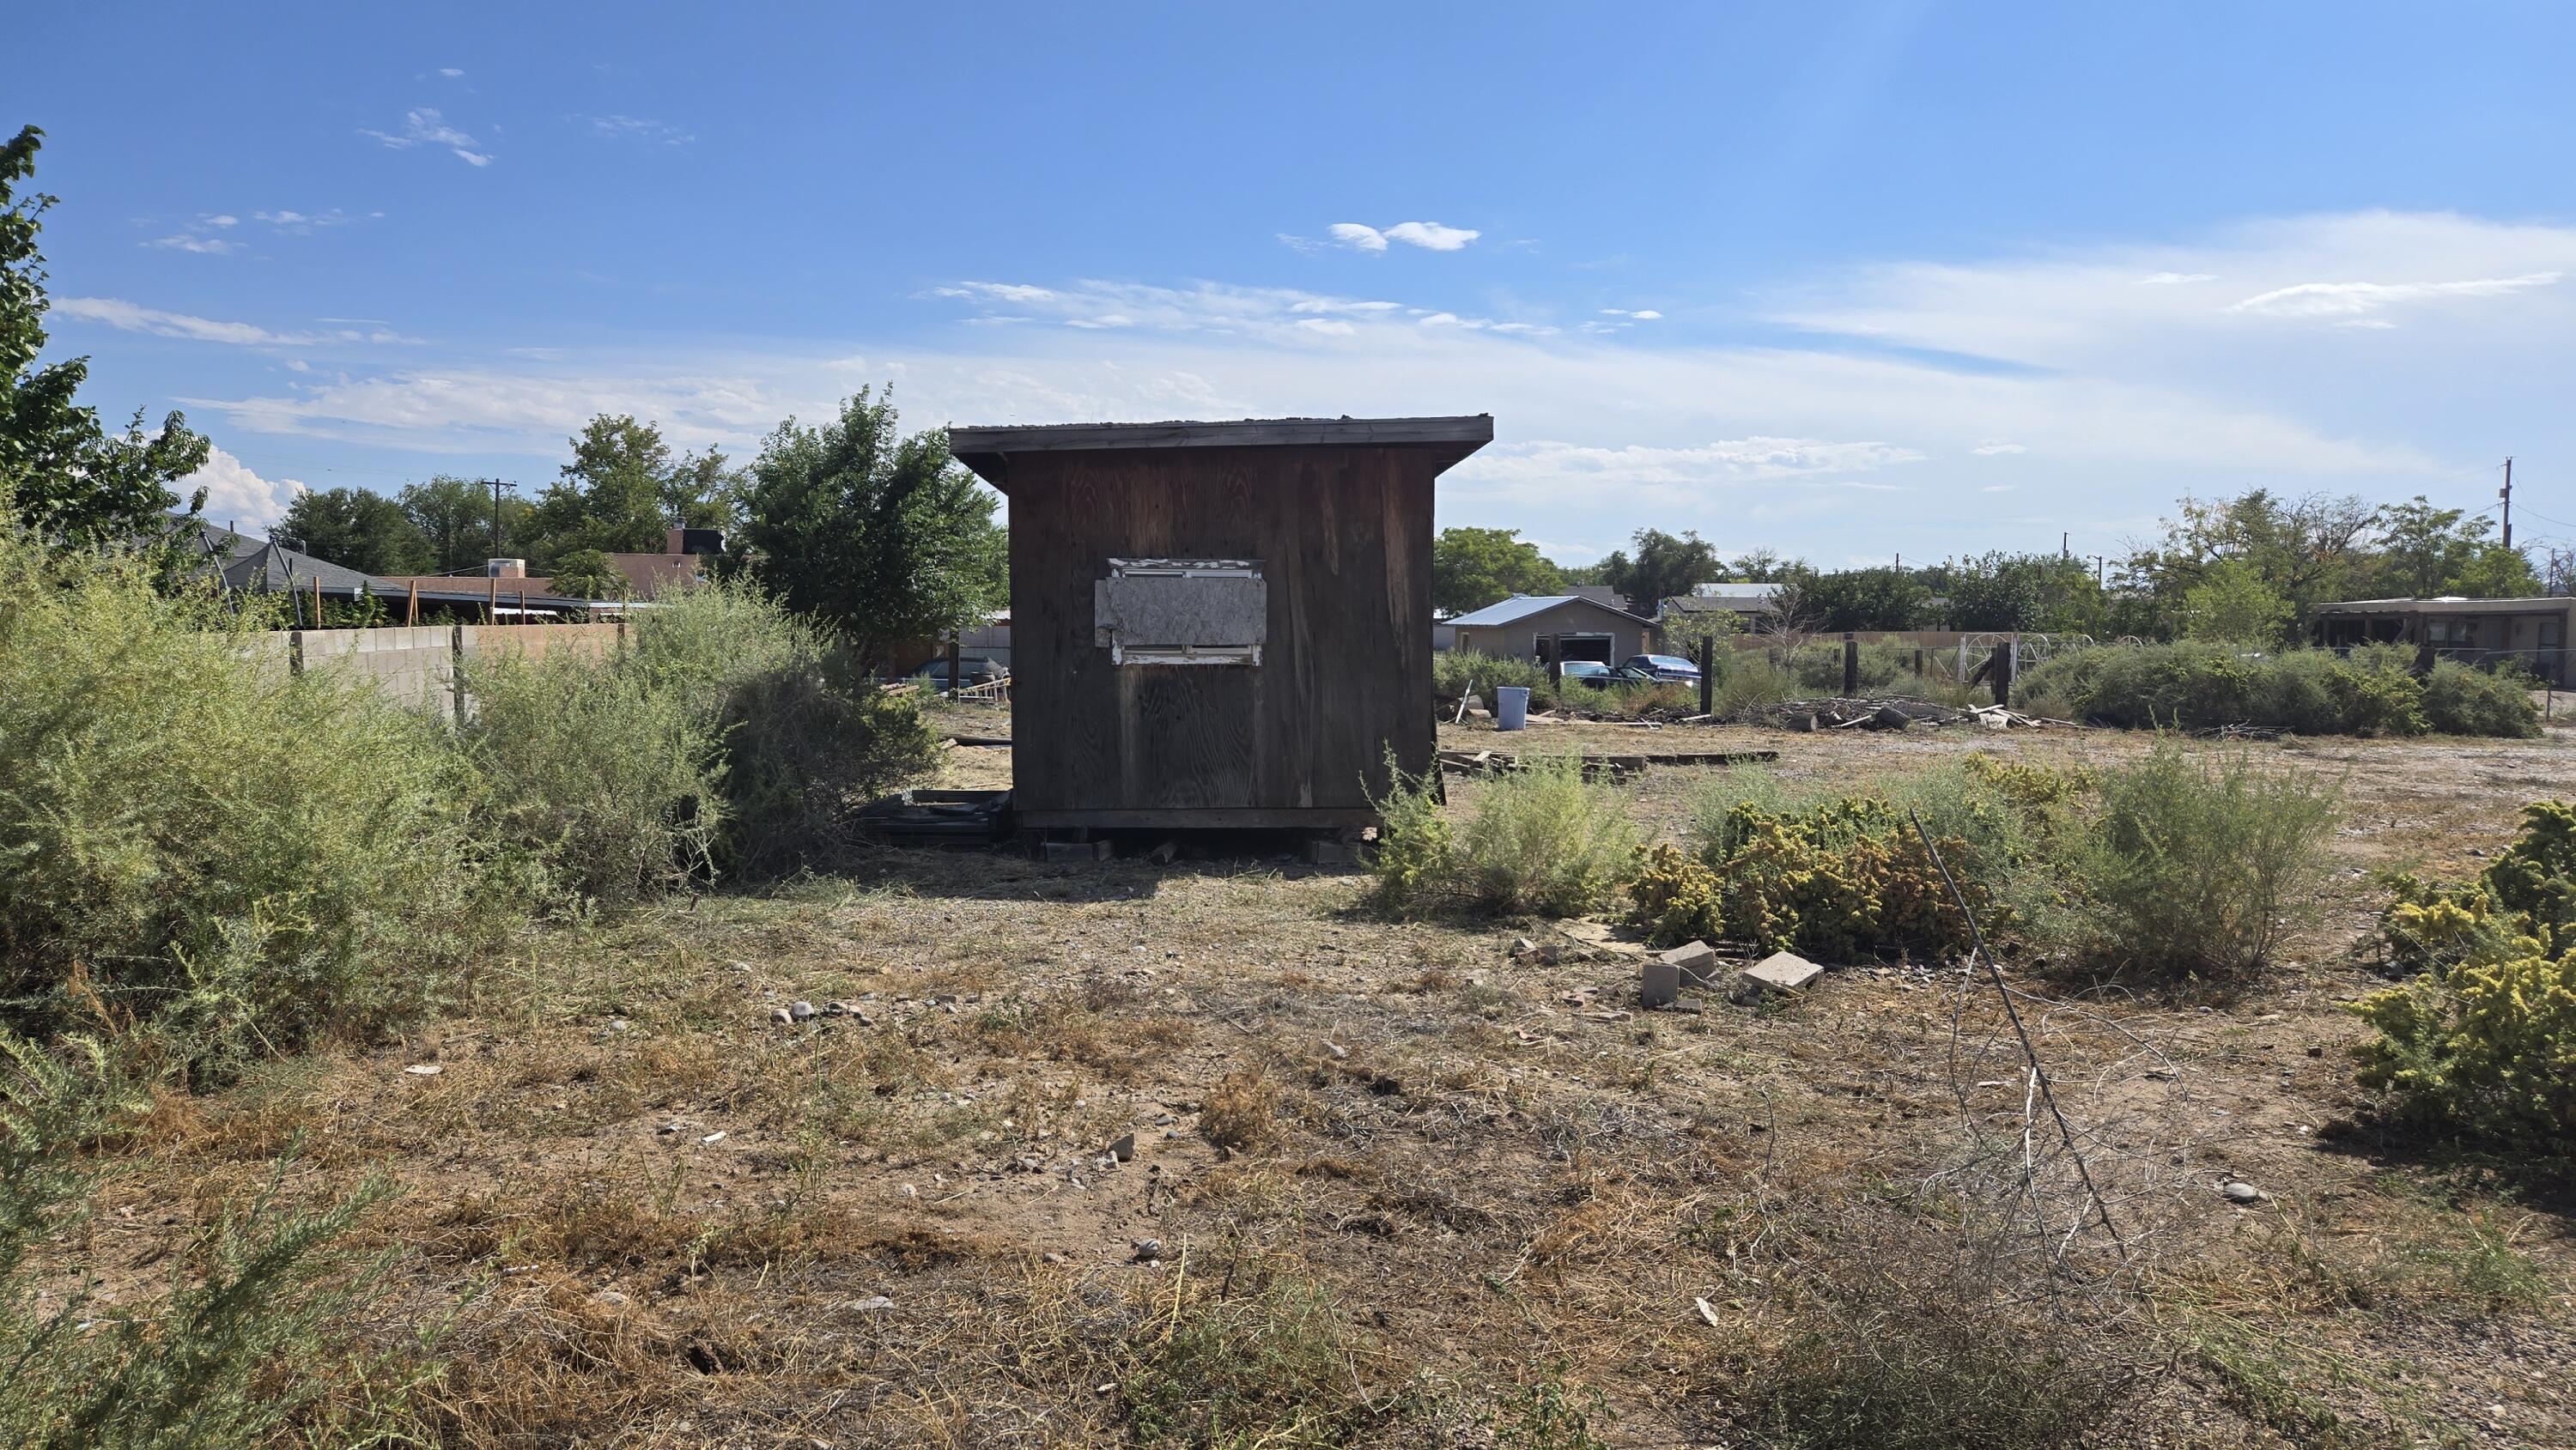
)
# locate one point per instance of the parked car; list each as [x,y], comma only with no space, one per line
[973,669]
[1672,669]
[1603,677]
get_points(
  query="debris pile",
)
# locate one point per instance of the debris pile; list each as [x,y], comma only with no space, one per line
[1884,713]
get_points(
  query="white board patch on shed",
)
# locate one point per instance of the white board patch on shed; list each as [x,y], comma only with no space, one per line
[1181,611]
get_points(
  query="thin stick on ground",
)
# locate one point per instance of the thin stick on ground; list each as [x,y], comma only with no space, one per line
[2038,1070]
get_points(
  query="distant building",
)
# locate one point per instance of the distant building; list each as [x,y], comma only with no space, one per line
[2532,633]
[1741,598]
[1552,627]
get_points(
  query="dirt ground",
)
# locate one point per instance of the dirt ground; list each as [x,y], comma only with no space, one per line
[1392,1167]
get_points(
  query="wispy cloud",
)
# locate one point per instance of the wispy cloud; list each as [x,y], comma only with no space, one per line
[133,317]
[1430,236]
[299,223]
[2348,299]
[451,72]
[637,128]
[1996,447]
[1639,314]
[2174,279]
[200,236]
[426,127]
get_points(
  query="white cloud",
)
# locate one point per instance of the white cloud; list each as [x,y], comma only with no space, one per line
[191,242]
[637,128]
[1359,238]
[1306,245]
[451,72]
[302,222]
[1641,314]
[223,220]
[2174,279]
[238,498]
[997,291]
[133,317]
[1432,236]
[2344,299]
[1993,447]
[425,126]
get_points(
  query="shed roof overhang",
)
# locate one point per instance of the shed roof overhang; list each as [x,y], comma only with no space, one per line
[2545,605]
[988,450]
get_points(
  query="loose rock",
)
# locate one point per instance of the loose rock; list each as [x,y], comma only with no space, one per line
[2238,1191]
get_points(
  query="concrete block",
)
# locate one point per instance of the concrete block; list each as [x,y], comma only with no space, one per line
[1779,972]
[1659,984]
[1695,960]
[1321,852]
[1077,851]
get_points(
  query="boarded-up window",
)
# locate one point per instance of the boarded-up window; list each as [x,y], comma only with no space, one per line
[1181,611]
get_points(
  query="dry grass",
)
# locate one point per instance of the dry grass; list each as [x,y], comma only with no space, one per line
[1499,1198]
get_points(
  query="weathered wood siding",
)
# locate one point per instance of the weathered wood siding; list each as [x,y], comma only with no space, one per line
[1343,536]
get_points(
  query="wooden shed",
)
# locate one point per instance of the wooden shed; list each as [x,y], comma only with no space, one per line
[1218,625]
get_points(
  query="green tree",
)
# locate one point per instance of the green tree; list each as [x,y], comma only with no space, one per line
[2021,592]
[63,474]
[1471,568]
[609,498]
[2495,572]
[357,529]
[703,492]
[453,517]
[1882,597]
[880,534]
[2306,550]
[588,574]
[1760,566]
[1665,565]
[2234,604]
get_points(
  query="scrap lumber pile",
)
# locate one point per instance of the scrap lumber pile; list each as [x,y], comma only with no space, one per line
[936,817]
[1884,713]
[1598,765]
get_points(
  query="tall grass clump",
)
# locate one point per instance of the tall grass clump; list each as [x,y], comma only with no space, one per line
[1539,839]
[195,840]
[2194,864]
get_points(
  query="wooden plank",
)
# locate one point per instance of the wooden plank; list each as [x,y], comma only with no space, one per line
[1237,819]
[1240,433]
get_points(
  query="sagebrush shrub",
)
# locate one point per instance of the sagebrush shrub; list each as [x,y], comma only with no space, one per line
[1540,838]
[2459,700]
[2195,864]
[1678,898]
[194,838]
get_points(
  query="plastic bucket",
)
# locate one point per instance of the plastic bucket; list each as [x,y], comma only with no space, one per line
[1511,706]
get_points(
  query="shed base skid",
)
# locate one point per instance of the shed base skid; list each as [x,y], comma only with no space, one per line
[1328,845]
[1223,819]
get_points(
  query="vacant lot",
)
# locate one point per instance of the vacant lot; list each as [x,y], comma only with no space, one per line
[1405,1185]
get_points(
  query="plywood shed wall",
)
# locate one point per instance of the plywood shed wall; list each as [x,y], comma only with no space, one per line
[1218,625]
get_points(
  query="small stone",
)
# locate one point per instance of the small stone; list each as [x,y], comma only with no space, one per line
[609,1299]
[2316,1052]
[667,1129]
[717,1136]
[1148,1250]
[2238,1191]
[1522,946]
[873,1304]
[799,1011]
[1052,1257]
[782,1016]
[424,1069]
[909,1191]
[1124,1149]
[1337,1052]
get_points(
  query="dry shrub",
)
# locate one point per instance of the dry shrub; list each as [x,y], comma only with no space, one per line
[1913,1339]
[1241,1114]
[1250,1352]
[1542,838]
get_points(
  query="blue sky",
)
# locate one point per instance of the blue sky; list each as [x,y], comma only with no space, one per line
[1847,281]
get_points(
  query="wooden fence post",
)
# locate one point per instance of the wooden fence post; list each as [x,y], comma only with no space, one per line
[954,683]
[1707,674]
[2003,671]
[1851,664]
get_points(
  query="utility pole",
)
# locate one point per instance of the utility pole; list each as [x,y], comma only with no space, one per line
[2097,569]
[2506,493]
[2063,536]
[497,485]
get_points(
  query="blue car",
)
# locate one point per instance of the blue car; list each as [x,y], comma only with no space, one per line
[1672,669]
